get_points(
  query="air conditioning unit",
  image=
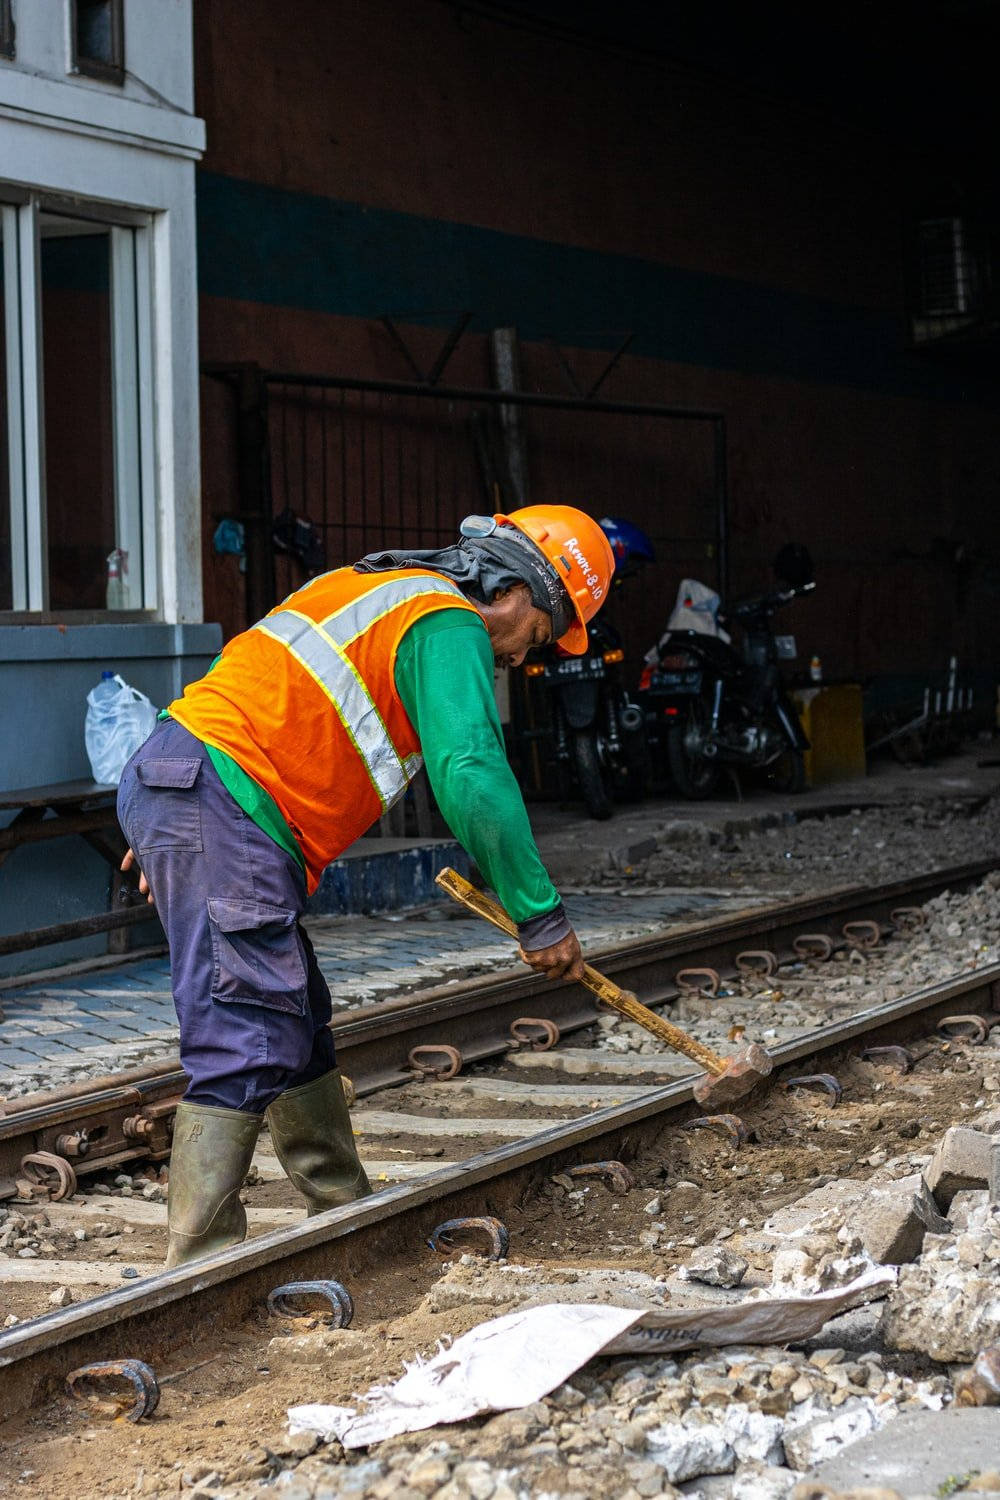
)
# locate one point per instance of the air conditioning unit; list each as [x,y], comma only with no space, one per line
[949,278]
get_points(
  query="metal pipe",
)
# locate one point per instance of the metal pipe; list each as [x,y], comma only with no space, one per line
[64,932]
[58,827]
[496,398]
[505,358]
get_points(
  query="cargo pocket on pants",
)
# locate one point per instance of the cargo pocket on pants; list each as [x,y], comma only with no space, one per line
[171,817]
[257,955]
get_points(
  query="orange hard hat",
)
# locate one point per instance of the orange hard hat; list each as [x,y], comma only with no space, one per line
[580,556]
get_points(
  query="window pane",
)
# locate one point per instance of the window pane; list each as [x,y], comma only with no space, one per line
[6,30]
[94,34]
[6,585]
[79,438]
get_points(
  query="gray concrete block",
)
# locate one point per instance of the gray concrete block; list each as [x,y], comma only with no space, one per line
[917,1451]
[884,1217]
[890,1228]
[961,1161]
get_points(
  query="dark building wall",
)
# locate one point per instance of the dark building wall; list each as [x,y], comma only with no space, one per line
[419,160]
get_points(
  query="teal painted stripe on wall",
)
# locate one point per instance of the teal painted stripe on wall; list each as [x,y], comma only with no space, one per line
[267,245]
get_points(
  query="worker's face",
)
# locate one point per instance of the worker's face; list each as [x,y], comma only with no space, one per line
[515,625]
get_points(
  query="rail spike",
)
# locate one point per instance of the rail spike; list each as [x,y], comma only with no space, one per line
[813,945]
[293,1301]
[86,1383]
[452,1232]
[536,1032]
[51,1174]
[614,1173]
[815,1081]
[757,962]
[730,1126]
[449,1068]
[971,1029]
[699,981]
[863,933]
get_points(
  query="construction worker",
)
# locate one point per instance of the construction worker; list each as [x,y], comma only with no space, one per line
[305,730]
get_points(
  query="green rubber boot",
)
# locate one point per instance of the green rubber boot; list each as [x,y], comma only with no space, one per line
[212,1150]
[312,1138]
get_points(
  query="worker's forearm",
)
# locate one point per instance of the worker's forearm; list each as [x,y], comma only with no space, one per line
[444,676]
[482,804]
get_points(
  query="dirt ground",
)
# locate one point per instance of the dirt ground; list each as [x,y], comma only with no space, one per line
[221,1402]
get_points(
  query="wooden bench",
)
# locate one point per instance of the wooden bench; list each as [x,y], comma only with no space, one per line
[86,809]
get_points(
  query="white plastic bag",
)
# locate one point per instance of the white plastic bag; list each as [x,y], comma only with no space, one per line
[119,719]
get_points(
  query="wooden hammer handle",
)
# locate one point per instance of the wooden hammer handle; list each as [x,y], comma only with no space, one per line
[618,999]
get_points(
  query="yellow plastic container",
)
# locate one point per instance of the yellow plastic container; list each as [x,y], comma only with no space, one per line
[833,722]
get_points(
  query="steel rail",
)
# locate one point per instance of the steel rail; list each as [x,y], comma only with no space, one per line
[117,1119]
[154,1318]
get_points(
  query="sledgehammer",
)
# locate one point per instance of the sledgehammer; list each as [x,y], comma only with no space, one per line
[728,1078]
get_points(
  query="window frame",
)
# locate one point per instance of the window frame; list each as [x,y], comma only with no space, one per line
[135,473]
[7,33]
[93,67]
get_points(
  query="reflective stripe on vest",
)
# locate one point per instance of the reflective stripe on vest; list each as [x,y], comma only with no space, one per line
[320,647]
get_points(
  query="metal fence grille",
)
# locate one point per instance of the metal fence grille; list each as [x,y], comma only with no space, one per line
[378,465]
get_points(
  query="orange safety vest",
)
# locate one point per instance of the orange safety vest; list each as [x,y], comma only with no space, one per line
[306,702]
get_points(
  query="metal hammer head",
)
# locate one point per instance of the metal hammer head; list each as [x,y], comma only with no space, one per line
[747,1067]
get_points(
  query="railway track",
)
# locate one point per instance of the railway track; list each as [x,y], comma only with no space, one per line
[418,1124]
[51,1140]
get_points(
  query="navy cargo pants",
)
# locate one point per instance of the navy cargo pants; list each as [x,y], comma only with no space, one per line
[251,1002]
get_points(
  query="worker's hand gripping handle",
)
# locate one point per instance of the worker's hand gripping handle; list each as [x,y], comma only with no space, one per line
[610,994]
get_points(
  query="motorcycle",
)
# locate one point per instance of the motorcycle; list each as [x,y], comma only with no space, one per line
[596,731]
[709,706]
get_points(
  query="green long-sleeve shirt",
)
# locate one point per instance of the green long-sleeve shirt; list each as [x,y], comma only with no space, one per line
[444,676]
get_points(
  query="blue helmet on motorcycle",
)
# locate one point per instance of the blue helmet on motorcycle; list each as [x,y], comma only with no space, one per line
[630,545]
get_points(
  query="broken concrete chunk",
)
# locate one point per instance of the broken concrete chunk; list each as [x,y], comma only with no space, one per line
[948,1306]
[961,1161]
[890,1227]
[752,1435]
[689,1452]
[826,1434]
[885,1218]
[716,1266]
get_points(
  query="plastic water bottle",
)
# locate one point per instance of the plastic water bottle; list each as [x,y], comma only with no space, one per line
[117,586]
[100,725]
[119,718]
[815,670]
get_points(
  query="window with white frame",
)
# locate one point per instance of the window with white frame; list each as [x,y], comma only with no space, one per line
[77,512]
[98,38]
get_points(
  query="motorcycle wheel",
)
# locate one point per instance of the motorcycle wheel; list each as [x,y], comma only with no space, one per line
[694,776]
[787,774]
[589,774]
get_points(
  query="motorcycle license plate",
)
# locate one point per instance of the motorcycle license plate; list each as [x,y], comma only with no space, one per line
[575,669]
[676,682]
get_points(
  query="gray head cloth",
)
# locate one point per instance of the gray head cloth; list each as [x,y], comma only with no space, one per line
[488,557]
